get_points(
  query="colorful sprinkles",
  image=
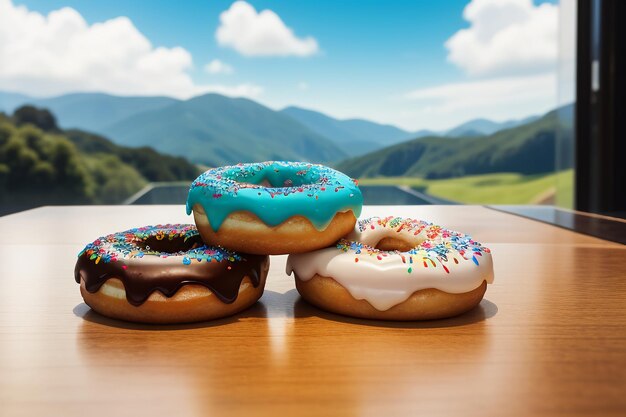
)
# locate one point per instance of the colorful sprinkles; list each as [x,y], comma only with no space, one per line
[437,245]
[132,243]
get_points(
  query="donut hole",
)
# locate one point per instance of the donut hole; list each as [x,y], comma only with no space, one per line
[285,177]
[279,181]
[395,244]
[166,245]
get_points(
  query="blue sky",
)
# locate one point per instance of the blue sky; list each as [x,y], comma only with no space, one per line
[385,61]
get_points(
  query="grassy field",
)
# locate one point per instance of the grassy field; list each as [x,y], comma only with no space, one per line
[501,188]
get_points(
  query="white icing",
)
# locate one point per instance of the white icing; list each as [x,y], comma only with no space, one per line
[386,282]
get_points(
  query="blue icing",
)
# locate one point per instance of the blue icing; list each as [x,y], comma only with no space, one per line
[275,191]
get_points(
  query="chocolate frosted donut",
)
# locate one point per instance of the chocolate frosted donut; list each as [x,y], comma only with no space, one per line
[165,274]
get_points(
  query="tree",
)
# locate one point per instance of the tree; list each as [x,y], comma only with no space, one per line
[41,118]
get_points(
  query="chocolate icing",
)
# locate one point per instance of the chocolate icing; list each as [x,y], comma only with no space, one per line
[166,265]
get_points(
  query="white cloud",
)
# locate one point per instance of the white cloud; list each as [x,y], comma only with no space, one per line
[303,86]
[58,53]
[506,37]
[498,98]
[509,53]
[218,67]
[239,90]
[253,33]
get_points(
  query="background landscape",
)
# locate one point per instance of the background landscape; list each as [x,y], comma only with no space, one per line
[113,146]
[88,130]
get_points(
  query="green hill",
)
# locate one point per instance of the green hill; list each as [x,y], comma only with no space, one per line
[217,130]
[41,164]
[498,188]
[354,136]
[525,149]
[152,165]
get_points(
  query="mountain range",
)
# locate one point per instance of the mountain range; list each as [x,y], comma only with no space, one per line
[89,111]
[214,130]
[484,127]
[527,149]
[354,136]
[217,130]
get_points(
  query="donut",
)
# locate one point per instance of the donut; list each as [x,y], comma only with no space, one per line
[273,208]
[165,274]
[395,268]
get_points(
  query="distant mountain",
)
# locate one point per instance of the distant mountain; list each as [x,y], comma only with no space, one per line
[423,133]
[89,111]
[353,136]
[527,149]
[476,127]
[216,130]
[358,136]
[483,127]
[10,101]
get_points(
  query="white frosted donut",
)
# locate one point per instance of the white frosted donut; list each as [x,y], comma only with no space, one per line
[430,272]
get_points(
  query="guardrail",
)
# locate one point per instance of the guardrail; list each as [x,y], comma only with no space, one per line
[426,197]
[149,188]
[158,193]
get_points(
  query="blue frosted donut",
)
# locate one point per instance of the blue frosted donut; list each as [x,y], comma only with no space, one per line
[274,207]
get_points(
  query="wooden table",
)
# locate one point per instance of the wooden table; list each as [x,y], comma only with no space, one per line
[548,339]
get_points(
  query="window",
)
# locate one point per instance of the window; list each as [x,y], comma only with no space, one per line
[464,101]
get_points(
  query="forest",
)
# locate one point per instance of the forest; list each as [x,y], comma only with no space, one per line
[41,164]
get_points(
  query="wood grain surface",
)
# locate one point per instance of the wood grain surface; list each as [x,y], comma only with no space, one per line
[549,339]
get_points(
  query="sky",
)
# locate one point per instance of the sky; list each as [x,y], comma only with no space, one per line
[417,64]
